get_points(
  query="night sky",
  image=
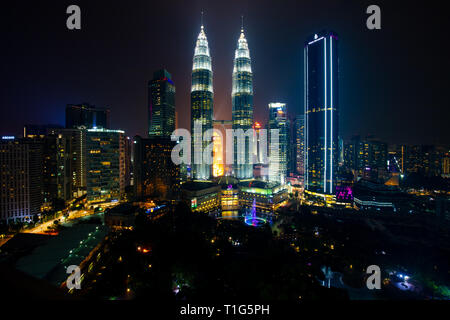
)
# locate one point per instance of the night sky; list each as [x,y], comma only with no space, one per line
[394,82]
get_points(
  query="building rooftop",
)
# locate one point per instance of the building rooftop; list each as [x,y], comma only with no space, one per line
[227,180]
[123,209]
[198,185]
[258,184]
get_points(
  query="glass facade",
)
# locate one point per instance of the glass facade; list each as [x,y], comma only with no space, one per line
[156,176]
[321,112]
[86,116]
[299,136]
[242,112]
[201,104]
[278,146]
[161,95]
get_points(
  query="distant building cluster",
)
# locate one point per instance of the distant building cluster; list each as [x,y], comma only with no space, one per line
[51,165]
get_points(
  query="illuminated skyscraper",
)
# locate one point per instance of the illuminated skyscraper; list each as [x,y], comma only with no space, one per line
[242,112]
[105,165]
[278,143]
[321,112]
[258,154]
[21,183]
[218,166]
[201,105]
[161,96]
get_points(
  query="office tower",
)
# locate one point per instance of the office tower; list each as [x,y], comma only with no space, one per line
[349,155]
[185,169]
[161,102]
[292,157]
[423,159]
[220,166]
[33,130]
[366,153]
[104,164]
[278,148]
[258,153]
[299,141]
[218,160]
[261,152]
[291,148]
[86,116]
[155,174]
[321,112]
[21,182]
[242,111]
[201,106]
[378,154]
[446,165]
[128,161]
[341,151]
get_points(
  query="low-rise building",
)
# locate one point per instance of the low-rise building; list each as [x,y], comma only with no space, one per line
[201,196]
[268,196]
[368,195]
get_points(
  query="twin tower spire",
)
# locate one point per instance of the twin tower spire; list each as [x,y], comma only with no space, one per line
[202,102]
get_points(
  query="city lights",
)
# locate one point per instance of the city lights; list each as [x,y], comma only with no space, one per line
[269,160]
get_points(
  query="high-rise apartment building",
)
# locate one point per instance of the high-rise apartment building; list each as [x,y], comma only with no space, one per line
[21,182]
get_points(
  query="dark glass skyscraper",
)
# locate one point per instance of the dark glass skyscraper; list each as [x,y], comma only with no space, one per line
[201,104]
[242,101]
[155,174]
[299,141]
[161,102]
[321,112]
[86,116]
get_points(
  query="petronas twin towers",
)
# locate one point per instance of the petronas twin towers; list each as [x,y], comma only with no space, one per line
[202,98]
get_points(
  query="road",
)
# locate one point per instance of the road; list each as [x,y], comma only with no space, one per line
[75,214]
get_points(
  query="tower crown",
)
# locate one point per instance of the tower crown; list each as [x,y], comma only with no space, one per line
[242,50]
[202,57]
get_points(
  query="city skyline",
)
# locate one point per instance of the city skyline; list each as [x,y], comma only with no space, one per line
[309,147]
[364,114]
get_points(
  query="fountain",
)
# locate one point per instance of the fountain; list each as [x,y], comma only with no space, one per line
[251,219]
